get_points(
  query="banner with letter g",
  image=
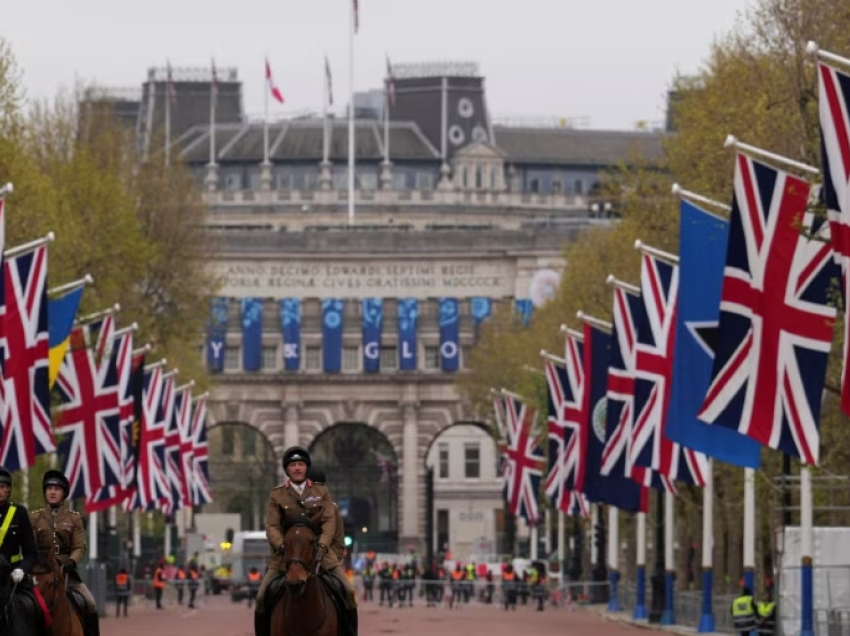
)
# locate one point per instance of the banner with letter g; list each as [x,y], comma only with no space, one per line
[449,335]
[373,321]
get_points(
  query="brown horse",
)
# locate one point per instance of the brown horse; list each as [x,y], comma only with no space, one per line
[306,609]
[50,581]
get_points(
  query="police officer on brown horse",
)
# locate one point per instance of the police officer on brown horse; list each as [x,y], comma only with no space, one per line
[297,499]
[61,531]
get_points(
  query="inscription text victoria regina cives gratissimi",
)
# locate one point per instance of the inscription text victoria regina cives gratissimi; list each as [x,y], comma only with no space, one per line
[378,279]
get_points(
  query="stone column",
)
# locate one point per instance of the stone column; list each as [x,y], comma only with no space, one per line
[325,176]
[386,175]
[211,180]
[265,177]
[410,532]
[290,431]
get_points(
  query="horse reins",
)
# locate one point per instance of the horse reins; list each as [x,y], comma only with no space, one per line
[312,570]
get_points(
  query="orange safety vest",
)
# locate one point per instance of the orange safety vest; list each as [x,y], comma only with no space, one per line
[181,575]
[158,579]
[194,575]
[508,576]
[395,575]
[122,582]
[457,575]
[253,576]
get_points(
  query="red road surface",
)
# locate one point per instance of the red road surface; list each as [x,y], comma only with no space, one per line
[218,616]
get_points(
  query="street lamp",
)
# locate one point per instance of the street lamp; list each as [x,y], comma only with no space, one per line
[604,208]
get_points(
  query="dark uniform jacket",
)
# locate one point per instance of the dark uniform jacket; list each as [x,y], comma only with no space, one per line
[286,505]
[18,545]
[62,531]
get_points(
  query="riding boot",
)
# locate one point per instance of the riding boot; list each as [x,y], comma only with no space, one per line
[353,620]
[262,626]
[93,624]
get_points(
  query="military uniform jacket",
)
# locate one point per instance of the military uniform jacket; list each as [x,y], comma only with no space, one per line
[18,545]
[286,504]
[60,530]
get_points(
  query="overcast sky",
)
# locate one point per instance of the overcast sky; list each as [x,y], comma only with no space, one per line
[609,60]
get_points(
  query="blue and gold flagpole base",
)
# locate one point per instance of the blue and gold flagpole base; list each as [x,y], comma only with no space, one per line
[706,620]
[614,599]
[669,616]
[640,601]
[807,598]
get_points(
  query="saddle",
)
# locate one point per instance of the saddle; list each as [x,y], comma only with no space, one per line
[31,602]
[335,589]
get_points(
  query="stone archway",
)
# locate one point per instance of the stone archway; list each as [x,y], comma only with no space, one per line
[243,469]
[478,435]
[361,466]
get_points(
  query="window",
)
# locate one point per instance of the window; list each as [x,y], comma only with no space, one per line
[340,181]
[312,358]
[432,357]
[424,181]
[311,181]
[233,181]
[284,181]
[248,439]
[443,530]
[368,181]
[227,440]
[472,461]
[231,359]
[399,181]
[389,358]
[534,186]
[479,177]
[351,358]
[579,187]
[557,186]
[269,358]
[443,459]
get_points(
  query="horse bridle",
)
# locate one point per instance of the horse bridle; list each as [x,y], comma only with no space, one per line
[56,598]
[310,567]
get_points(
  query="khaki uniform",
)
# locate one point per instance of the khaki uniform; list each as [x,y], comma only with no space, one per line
[286,504]
[61,531]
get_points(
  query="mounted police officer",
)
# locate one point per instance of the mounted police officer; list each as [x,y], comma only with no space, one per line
[297,498]
[16,538]
[61,530]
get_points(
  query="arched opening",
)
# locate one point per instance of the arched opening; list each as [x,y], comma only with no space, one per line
[362,475]
[465,512]
[243,470]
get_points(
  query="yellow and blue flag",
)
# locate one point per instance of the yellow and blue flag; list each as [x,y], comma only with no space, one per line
[61,313]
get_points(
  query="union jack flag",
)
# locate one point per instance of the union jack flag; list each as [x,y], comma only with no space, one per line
[524,461]
[555,379]
[621,395]
[655,323]
[150,466]
[179,421]
[159,449]
[775,328]
[570,415]
[132,410]
[25,431]
[187,449]
[201,491]
[122,366]
[835,153]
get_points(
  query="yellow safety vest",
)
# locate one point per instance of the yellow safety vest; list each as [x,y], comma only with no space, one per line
[766,608]
[742,606]
[7,523]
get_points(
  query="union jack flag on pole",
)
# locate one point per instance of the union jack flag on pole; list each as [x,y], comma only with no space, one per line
[835,153]
[25,427]
[176,424]
[555,379]
[524,461]
[201,491]
[655,324]
[775,328]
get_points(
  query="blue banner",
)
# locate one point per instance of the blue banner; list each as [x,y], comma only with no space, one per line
[332,309]
[408,320]
[216,335]
[449,335]
[702,238]
[290,324]
[373,322]
[524,308]
[616,490]
[252,334]
[481,310]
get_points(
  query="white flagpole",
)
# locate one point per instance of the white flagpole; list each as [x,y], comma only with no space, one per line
[326,142]
[352,19]
[669,615]
[266,118]
[706,621]
[807,549]
[749,528]
[613,559]
[213,100]
[168,79]
[640,567]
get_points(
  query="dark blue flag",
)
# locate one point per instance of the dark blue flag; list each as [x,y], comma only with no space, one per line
[524,309]
[373,321]
[332,334]
[216,335]
[703,238]
[481,308]
[449,335]
[408,320]
[616,490]
[252,334]
[290,323]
